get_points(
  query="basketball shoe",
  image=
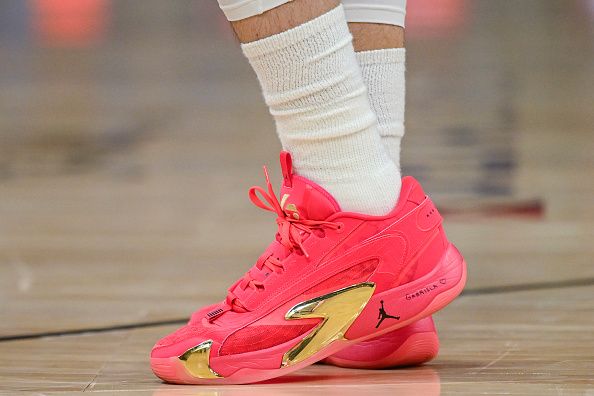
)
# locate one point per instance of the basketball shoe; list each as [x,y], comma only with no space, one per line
[318,287]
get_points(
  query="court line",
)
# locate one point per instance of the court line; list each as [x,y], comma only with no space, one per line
[528,287]
[139,325]
[91,330]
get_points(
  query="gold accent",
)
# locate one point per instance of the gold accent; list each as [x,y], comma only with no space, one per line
[338,309]
[284,200]
[290,207]
[197,361]
[293,209]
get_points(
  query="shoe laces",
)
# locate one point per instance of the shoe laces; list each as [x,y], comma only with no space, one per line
[292,232]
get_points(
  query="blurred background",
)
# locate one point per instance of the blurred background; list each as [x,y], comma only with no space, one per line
[130,131]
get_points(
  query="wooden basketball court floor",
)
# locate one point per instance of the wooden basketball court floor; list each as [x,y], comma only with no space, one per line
[130,135]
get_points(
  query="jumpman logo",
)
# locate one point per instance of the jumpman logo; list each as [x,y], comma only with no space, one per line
[383,315]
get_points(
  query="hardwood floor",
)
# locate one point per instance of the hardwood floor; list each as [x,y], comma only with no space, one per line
[127,150]
[532,342]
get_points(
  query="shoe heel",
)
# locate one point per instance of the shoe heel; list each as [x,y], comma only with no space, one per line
[412,301]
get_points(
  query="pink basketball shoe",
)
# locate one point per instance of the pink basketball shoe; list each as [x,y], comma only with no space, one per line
[414,344]
[329,280]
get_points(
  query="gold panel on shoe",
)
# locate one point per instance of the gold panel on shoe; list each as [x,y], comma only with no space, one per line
[196,361]
[338,310]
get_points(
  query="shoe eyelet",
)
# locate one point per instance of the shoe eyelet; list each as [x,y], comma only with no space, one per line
[339,228]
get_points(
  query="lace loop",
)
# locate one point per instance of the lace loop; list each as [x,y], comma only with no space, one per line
[291,234]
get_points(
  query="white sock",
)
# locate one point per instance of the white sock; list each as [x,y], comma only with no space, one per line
[313,86]
[383,73]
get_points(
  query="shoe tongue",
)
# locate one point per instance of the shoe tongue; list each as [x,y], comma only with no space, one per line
[302,198]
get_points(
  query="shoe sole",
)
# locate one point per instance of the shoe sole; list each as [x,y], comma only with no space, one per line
[451,270]
[417,349]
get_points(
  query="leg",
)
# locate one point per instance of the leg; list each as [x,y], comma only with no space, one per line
[280,19]
[378,33]
[379,323]
[375,36]
[313,85]
[303,56]
[376,24]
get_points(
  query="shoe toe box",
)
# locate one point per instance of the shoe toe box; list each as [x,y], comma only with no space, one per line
[178,342]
